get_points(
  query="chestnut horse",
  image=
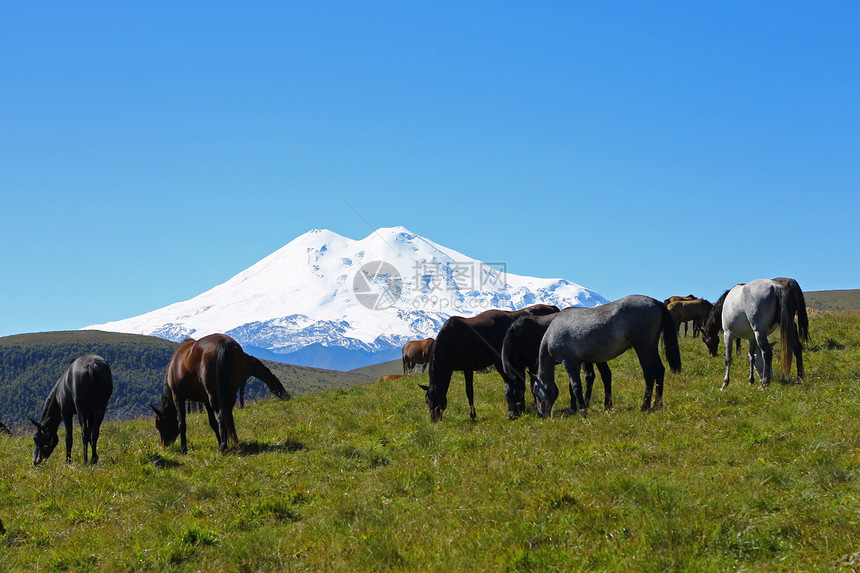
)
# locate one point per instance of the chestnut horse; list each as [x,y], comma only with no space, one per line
[684,311]
[209,370]
[470,344]
[417,352]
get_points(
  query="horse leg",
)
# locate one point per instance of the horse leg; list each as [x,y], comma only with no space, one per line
[589,381]
[86,423]
[797,349]
[213,422]
[470,393]
[651,365]
[515,393]
[767,355]
[180,410]
[751,359]
[727,338]
[577,400]
[94,436]
[606,376]
[67,422]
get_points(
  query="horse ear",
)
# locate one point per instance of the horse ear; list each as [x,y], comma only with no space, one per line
[423,387]
[154,409]
[35,423]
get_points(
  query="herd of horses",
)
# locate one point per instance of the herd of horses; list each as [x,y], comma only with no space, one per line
[535,339]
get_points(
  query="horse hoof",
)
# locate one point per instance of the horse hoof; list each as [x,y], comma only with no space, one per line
[583,413]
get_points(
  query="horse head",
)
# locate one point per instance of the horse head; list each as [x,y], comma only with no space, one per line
[545,396]
[168,428]
[436,403]
[45,441]
[711,340]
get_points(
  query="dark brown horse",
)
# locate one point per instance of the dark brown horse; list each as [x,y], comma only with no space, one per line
[520,351]
[470,344]
[209,370]
[83,390]
[417,352]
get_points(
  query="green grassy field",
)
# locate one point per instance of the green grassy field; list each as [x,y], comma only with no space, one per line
[358,479]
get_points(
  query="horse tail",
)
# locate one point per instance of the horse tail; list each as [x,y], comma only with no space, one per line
[258,370]
[507,349]
[787,332]
[800,307]
[670,339]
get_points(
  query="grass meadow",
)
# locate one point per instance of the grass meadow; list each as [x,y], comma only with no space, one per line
[359,479]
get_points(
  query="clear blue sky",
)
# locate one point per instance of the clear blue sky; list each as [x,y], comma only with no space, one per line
[713,142]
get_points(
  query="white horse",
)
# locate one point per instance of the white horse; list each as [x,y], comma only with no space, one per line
[751,311]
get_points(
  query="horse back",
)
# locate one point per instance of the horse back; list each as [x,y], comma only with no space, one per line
[602,333]
[89,384]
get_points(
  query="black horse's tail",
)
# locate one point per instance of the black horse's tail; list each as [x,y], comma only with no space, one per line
[670,340]
[787,333]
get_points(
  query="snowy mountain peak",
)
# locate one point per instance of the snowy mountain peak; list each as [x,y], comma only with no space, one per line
[359,300]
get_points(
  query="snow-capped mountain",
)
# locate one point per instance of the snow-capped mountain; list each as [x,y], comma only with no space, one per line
[328,301]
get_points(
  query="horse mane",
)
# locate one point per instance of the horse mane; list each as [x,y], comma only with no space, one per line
[716,314]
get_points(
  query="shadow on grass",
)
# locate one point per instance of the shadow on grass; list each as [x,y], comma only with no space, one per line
[161,462]
[255,448]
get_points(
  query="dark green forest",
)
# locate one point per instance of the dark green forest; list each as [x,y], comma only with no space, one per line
[30,365]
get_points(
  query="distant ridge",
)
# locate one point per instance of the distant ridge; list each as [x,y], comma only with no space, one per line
[31,363]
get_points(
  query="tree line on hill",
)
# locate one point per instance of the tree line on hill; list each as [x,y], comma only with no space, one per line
[30,365]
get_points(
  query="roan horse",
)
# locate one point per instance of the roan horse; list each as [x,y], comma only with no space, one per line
[520,350]
[84,389]
[751,311]
[417,352]
[470,344]
[600,334]
[209,370]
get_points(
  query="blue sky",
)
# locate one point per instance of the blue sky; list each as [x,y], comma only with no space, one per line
[654,148]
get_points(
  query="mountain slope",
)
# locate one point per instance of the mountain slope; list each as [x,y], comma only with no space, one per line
[326,300]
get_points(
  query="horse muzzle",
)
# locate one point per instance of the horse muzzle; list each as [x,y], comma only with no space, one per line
[435,414]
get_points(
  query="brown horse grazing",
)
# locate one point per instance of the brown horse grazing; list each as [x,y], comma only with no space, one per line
[209,370]
[470,344]
[417,352]
[684,311]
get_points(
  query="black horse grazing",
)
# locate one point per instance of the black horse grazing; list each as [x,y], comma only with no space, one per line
[520,350]
[83,389]
[600,334]
[470,344]
[209,370]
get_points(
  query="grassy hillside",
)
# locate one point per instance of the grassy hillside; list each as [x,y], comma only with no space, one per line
[358,479]
[30,365]
[834,299]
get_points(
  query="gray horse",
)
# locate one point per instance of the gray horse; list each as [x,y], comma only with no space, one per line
[83,389]
[600,334]
[751,311]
